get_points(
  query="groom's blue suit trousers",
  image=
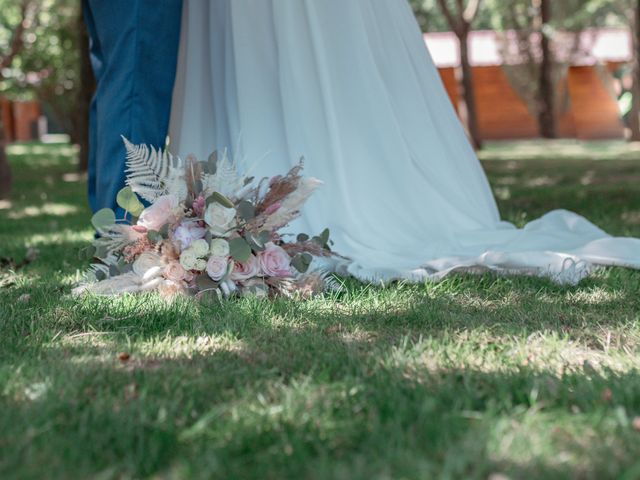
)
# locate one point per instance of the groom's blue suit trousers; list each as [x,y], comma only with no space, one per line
[134,50]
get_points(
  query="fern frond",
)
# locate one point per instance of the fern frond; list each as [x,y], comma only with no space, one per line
[148,170]
[227,180]
[175,183]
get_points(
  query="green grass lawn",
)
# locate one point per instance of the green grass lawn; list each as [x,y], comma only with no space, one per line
[474,377]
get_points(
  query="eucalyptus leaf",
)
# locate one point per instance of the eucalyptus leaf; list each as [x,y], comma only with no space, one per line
[221,199]
[325,236]
[239,249]
[303,237]
[114,271]
[129,201]
[255,242]
[101,251]
[164,231]
[264,236]
[103,219]
[204,282]
[228,272]
[89,252]
[259,290]
[126,268]
[322,239]
[301,262]
[246,210]
[154,236]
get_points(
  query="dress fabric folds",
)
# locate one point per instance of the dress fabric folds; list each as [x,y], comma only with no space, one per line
[351,87]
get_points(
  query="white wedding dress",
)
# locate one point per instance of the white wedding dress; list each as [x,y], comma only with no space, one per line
[349,86]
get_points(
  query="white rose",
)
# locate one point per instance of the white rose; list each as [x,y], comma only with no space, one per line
[217,267]
[219,247]
[200,248]
[145,262]
[200,264]
[188,259]
[220,219]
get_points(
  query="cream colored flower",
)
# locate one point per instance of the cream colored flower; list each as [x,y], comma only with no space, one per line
[200,248]
[188,259]
[219,247]
[146,262]
[200,264]
[220,219]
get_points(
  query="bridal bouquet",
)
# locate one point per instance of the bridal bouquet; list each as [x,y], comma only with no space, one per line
[208,230]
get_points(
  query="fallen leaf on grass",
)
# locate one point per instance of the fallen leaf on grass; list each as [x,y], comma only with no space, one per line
[9,263]
[124,356]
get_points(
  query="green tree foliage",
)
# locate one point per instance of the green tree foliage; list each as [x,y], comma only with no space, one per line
[497,14]
[47,66]
[431,18]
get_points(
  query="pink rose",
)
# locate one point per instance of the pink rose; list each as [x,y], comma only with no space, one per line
[175,272]
[217,267]
[246,270]
[187,232]
[164,210]
[275,262]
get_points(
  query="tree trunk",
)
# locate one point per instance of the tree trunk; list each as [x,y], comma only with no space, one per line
[460,22]
[634,115]
[87,88]
[6,179]
[469,91]
[546,91]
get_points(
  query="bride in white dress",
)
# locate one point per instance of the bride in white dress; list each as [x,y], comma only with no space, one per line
[349,85]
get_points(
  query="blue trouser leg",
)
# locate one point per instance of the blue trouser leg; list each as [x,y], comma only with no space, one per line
[96,63]
[134,50]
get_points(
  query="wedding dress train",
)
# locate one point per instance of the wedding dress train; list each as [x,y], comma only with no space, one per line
[350,86]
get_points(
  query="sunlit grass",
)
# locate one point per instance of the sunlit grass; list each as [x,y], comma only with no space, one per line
[467,378]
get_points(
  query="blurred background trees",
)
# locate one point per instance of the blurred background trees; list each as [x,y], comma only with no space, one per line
[40,60]
[539,39]
[44,57]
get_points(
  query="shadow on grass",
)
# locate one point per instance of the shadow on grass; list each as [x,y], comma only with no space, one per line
[289,402]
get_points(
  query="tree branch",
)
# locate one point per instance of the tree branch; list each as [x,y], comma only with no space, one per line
[446,11]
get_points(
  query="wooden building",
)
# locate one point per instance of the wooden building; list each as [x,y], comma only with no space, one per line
[592,110]
[19,120]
